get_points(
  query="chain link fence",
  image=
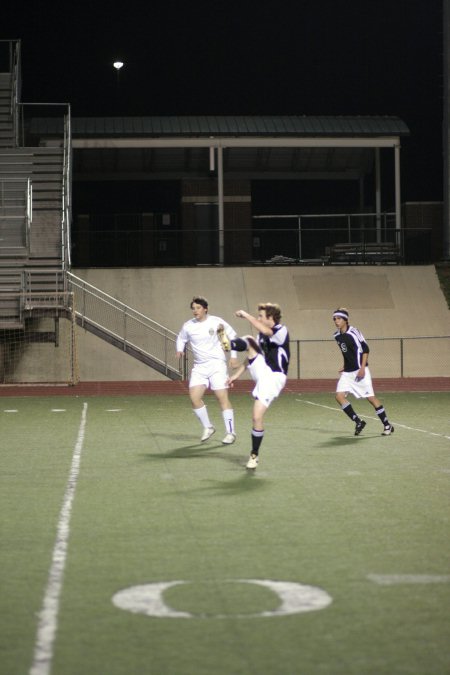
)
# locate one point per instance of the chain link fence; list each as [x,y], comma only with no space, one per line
[391,357]
[395,357]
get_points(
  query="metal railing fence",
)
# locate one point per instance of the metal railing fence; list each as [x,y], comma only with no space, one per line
[312,234]
[128,245]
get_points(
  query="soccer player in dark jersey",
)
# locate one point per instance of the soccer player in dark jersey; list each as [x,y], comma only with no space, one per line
[355,375]
[267,362]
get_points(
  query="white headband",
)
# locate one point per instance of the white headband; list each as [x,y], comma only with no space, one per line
[343,315]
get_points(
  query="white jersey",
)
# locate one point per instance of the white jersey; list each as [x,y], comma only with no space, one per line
[202,336]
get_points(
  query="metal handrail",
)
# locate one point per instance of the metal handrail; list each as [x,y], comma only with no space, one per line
[14,67]
[29,213]
[126,325]
[66,193]
[81,283]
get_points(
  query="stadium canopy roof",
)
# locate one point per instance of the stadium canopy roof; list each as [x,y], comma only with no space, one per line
[201,126]
[255,147]
[270,147]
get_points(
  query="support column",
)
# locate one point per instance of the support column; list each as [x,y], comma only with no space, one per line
[446,132]
[220,205]
[398,199]
[378,194]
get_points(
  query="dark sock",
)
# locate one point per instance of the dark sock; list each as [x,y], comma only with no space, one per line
[257,436]
[347,408]
[382,415]
[238,345]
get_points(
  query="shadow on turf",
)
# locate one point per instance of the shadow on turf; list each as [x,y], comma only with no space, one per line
[343,441]
[245,483]
[181,453]
[208,451]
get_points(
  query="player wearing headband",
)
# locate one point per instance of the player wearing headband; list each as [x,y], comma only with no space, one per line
[355,375]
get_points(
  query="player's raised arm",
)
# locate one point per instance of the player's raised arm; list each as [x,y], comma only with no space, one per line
[256,323]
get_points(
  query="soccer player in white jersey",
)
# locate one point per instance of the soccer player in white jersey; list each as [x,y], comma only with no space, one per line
[267,362]
[355,375]
[210,366]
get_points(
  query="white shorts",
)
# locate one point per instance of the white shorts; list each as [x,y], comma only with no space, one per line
[347,383]
[268,382]
[213,374]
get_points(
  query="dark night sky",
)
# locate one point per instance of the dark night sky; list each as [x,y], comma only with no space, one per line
[321,57]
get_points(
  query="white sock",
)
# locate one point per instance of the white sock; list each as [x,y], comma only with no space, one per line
[228,418]
[202,415]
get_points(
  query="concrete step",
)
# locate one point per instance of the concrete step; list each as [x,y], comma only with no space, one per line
[15,252]
[7,324]
[30,264]
[10,280]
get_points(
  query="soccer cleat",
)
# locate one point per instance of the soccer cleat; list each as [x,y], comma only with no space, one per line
[223,338]
[207,433]
[388,429]
[359,426]
[252,462]
[229,439]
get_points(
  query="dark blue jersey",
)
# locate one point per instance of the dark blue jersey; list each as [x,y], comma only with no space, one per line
[276,348]
[352,345]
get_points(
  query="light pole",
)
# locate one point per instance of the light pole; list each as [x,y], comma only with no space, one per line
[118,65]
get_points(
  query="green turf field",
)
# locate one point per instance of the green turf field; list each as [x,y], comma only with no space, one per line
[125,501]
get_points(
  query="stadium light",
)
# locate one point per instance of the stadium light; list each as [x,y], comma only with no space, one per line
[118,65]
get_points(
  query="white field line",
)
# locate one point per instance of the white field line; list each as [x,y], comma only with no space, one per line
[396,424]
[48,616]
[393,579]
